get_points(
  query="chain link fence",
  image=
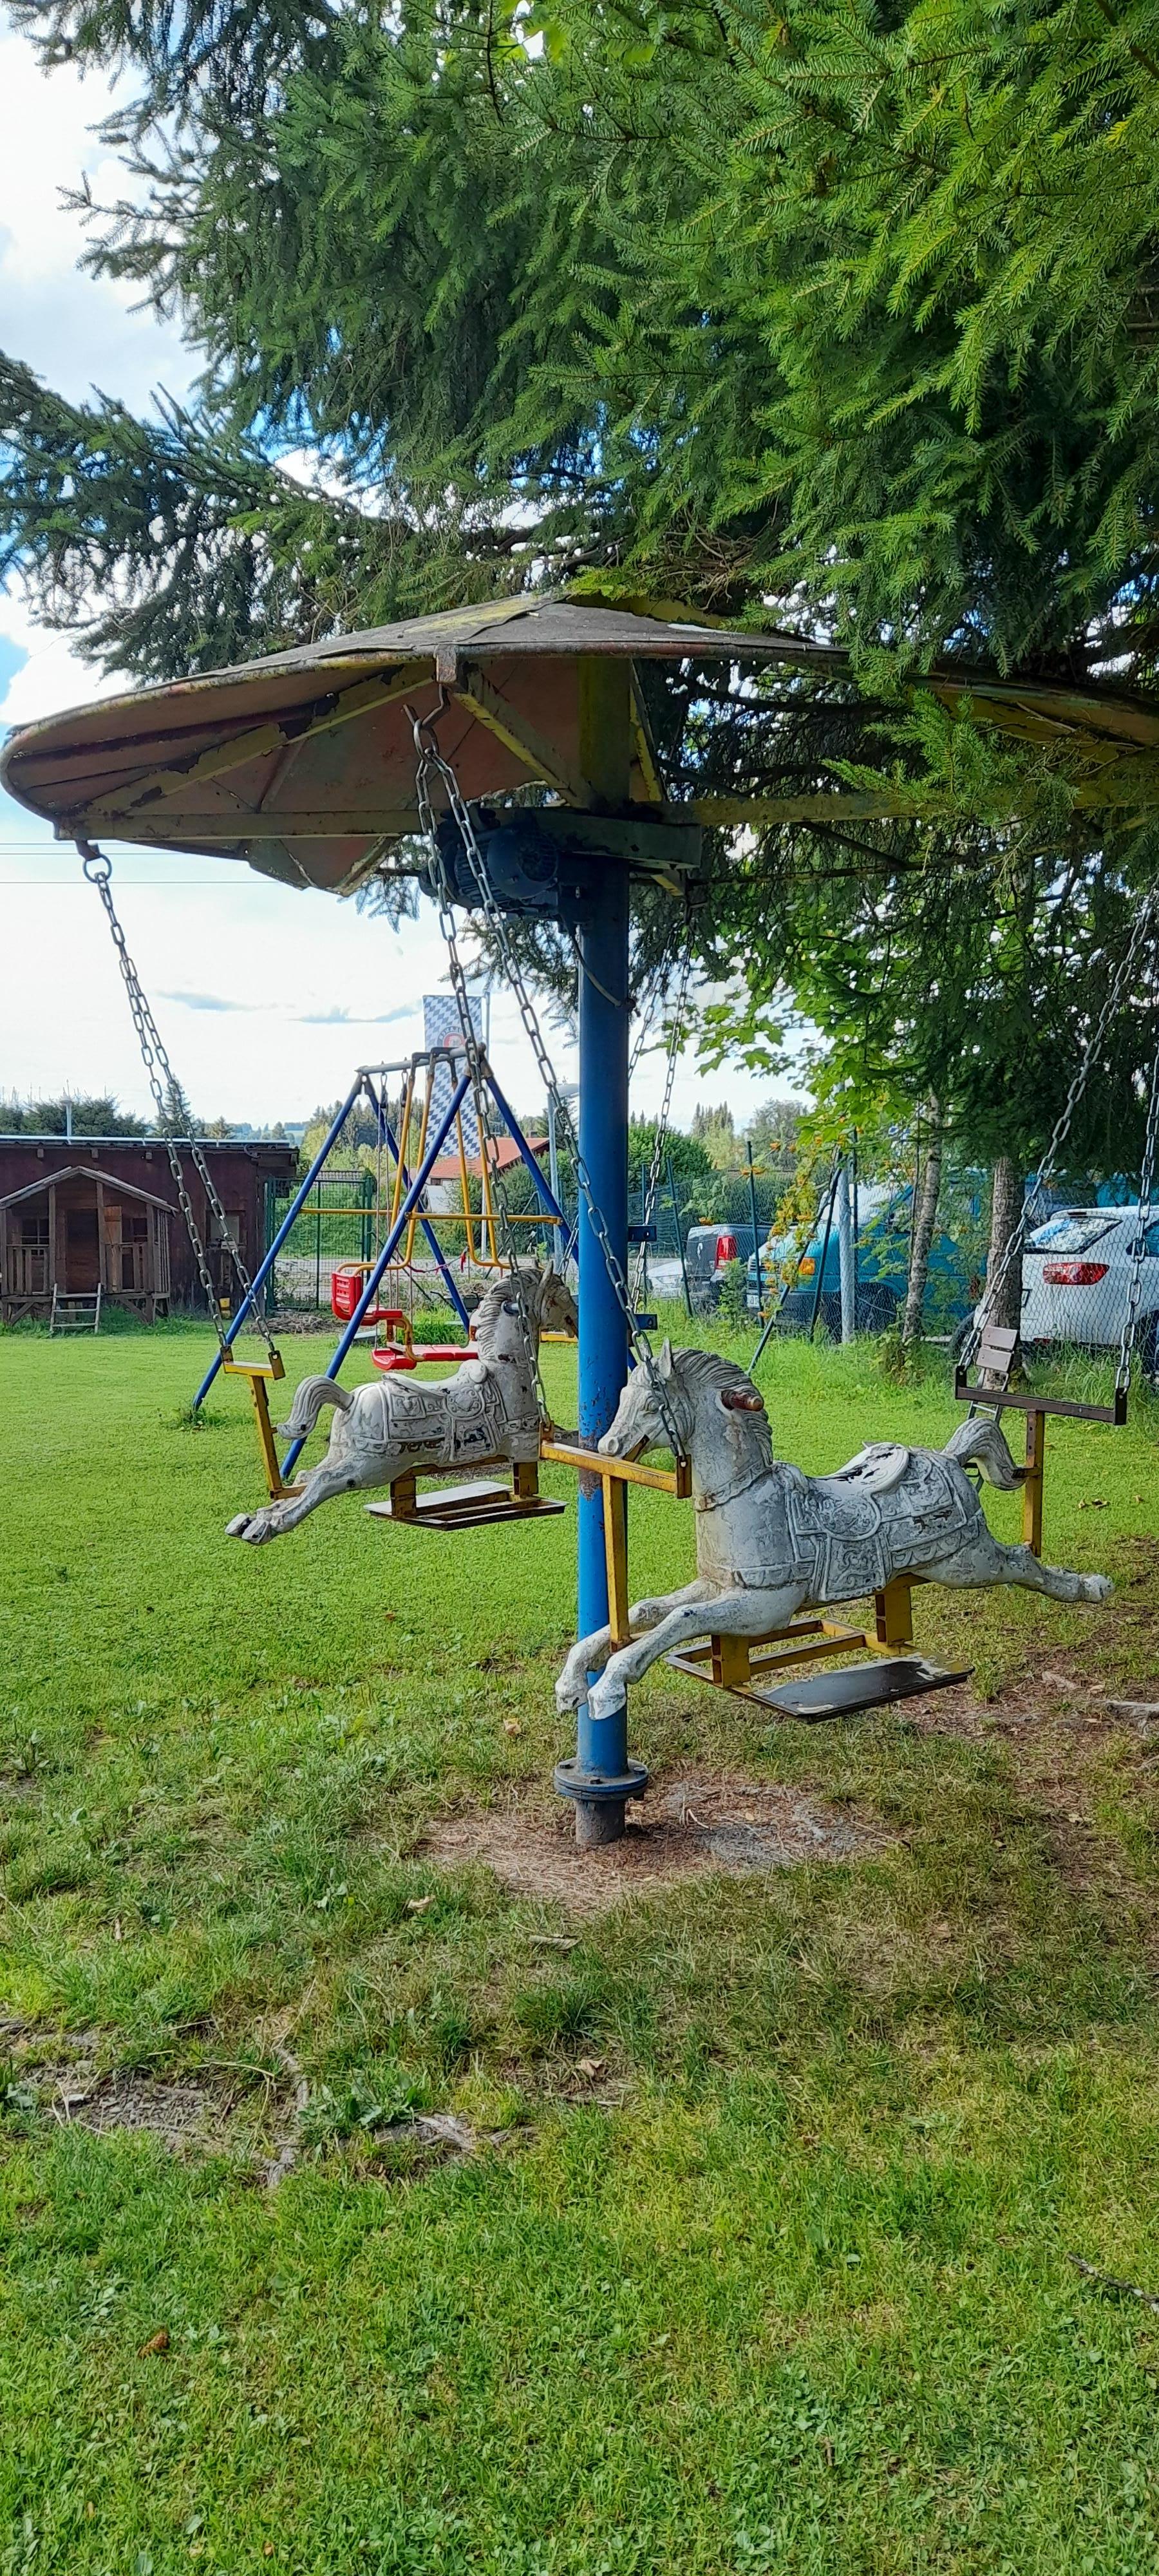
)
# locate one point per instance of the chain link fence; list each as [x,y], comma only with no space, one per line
[1081,1251]
[337,1224]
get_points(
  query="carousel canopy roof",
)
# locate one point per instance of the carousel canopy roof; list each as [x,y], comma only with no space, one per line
[302,763]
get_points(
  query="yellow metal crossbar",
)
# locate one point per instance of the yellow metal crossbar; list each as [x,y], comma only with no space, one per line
[259,1373]
[624,1471]
[615,1475]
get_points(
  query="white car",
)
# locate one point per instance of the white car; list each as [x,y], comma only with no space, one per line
[1076,1273]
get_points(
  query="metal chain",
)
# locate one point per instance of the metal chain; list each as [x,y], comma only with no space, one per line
[98,870]
[675,1043]
[1047,1168]
[647,1013]
[426,762]
[1146,1198]
[434,764]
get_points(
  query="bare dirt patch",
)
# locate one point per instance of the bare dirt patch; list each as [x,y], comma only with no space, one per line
[193,2113]
[698,1826]
[185,2112]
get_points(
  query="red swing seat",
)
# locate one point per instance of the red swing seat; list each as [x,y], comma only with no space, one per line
[399,1350]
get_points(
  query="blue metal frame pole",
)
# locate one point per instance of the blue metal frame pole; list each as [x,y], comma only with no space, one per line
[411,1201]
[393,1147]
[602,1776]
[547,1197]
[603,1140]
[297,1203]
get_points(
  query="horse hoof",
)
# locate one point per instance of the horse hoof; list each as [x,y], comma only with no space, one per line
[237,1527]
[568,1696]
[1099,1587]
[605,1698]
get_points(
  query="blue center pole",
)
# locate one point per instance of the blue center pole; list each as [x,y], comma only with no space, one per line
[601,1776]
[603,1133]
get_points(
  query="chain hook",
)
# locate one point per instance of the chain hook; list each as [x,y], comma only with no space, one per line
[426,750]
[94,865]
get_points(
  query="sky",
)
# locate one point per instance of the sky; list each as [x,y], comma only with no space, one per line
[267,999]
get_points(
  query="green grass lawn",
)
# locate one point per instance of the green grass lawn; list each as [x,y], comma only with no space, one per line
[767,2268]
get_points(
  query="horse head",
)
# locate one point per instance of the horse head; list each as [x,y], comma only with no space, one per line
[707,1400]
[535,1301]
[640,1422]
[555,1308]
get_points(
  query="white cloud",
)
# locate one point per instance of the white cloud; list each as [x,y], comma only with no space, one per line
[74,330]
[207,1002]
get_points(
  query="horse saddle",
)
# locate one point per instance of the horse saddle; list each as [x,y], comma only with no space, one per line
[460,1417]
[875,1470]
[892,1509]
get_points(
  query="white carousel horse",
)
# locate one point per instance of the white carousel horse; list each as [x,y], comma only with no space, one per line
[771,1541]
[487,1410]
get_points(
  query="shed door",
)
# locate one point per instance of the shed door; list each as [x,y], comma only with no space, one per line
[132,1236]
[82,1261]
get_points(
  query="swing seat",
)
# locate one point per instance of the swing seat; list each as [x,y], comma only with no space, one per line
[391,1356]
[471,1504]
[345,1290]
[346,1285]
[817,1696]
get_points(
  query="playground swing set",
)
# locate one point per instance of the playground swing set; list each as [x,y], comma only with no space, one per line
[520,691]
[428,1077]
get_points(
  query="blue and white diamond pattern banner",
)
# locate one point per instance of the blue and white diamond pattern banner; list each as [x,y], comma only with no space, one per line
[442,1027]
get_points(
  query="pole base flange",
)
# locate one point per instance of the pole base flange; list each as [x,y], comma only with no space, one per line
[594,1787]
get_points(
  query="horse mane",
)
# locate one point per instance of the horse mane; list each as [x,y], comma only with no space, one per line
[497,1295]
[699,1369]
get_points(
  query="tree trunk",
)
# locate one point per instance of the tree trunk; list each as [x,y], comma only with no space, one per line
[1005,1307]
[922,1234]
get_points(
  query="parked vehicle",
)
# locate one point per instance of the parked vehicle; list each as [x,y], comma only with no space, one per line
[707,1254]
[1076,1272]
[883,1240]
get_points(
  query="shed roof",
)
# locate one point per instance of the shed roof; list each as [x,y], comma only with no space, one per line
[87,1172]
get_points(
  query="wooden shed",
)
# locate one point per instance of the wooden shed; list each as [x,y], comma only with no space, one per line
[80,1234]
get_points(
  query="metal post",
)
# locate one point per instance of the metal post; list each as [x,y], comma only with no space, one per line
[678,1222]
[756,1230]
[820,1275]
[411,1201]
[845,1256]
[602,1777]
[290,1219]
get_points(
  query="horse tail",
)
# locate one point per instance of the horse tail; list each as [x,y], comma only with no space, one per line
[312,1394]
[981,1442]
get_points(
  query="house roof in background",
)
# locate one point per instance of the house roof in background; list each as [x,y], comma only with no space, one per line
[87,1172]
[504,1153]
